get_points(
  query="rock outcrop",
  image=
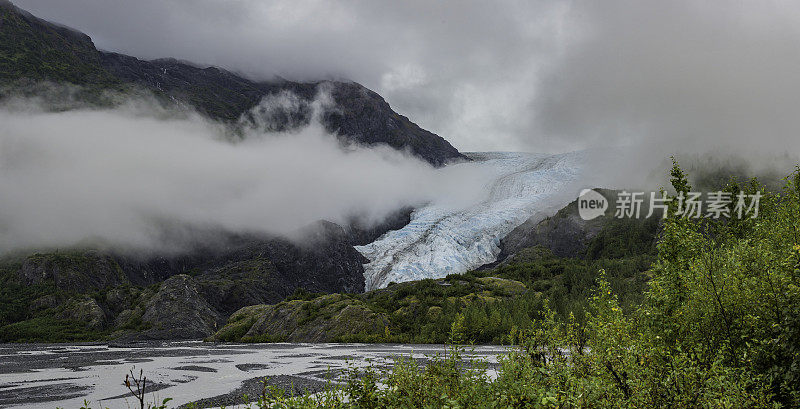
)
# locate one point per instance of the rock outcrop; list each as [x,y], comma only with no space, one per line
[566,234]
[369,316]
[73,271]
[85,309]
[324,319]
[185,296]
[178,311]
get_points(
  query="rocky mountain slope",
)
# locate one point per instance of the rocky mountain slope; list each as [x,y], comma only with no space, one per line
[34,49]
[81,294]
[566,234]
[39,50]
[175,297]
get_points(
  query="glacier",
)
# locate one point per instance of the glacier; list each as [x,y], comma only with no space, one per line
[444,239]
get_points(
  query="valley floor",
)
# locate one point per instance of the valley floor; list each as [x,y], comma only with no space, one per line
[48,376]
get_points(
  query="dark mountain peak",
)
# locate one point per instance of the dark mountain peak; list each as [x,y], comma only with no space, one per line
[35,49]
[6,5]
[68,32]
[359,114]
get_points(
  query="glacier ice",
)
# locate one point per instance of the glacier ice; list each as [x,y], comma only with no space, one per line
[442,240]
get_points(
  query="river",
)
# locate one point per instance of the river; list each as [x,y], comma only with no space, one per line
[63,375]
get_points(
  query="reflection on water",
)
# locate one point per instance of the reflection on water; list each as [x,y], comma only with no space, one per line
[46,376]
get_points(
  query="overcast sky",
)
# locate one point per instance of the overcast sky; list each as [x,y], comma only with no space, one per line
[535,76]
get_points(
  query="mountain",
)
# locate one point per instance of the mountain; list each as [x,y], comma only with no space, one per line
[39,50]
[90,294]
[554,258]
[35,49]
[276,286]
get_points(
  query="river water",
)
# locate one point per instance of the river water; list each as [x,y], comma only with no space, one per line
[62,375]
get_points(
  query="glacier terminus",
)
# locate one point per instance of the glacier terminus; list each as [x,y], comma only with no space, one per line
[444,239]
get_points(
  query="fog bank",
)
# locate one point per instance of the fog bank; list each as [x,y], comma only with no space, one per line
[124,177]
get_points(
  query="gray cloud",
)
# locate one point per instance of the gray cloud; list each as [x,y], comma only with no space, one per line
[124,177]
[679,75]
[465,70]
[509,75]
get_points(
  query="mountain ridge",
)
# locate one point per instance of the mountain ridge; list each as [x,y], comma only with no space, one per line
[63,294]
[35,49]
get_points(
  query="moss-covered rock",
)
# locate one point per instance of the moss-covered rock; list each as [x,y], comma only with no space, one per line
[503,287]
[178,311]
[240,323]
[72,271]
[45,302]
[434,313]
[84,309]
[323,319]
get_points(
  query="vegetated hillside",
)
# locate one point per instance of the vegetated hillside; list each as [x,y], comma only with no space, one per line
[566,234]
[388,315]
[88,295]
[282,289]
[493,301]
[38,50]
[32,49]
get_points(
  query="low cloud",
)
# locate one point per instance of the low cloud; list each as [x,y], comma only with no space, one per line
[130,177]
